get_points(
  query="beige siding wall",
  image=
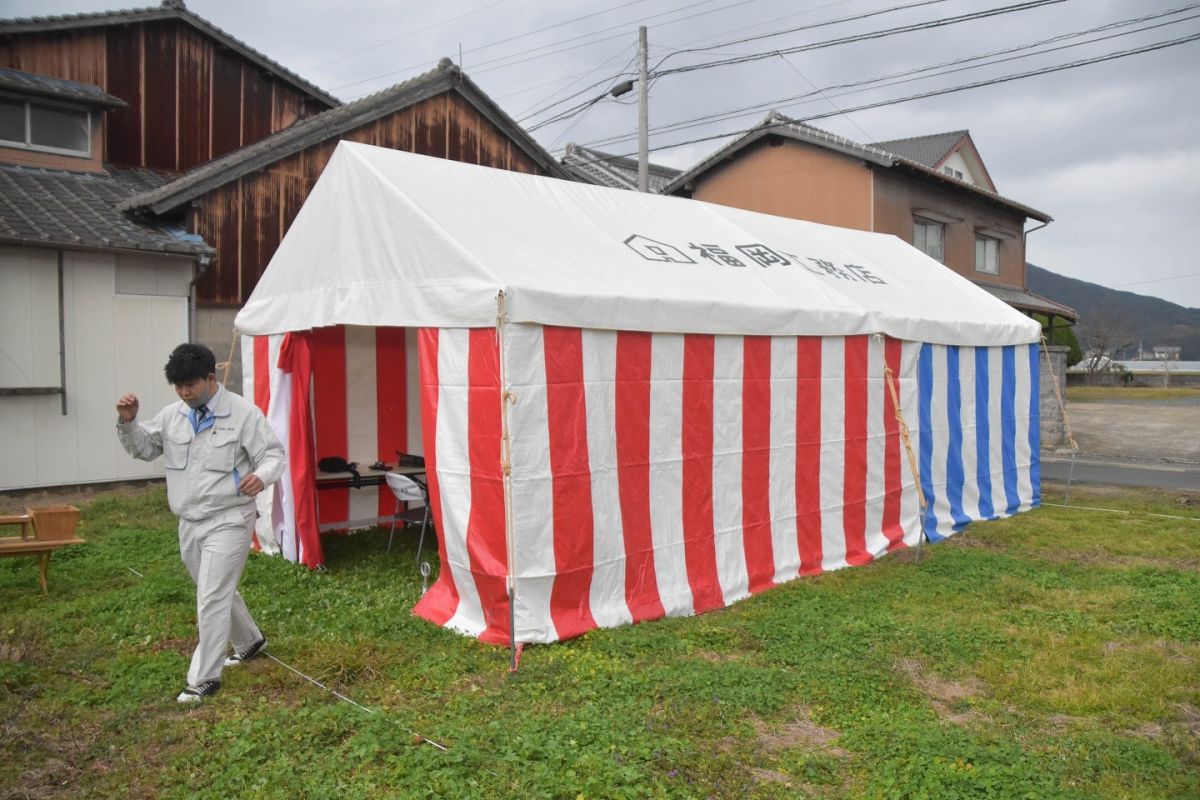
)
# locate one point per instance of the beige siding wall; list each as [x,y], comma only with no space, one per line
[115,343]
[791,179]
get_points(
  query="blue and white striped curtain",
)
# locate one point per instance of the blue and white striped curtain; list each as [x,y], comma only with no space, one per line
[979,438]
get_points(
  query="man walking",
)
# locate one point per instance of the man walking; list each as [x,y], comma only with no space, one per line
[219,452]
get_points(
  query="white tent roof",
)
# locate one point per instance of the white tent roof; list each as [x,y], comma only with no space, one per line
[392,238]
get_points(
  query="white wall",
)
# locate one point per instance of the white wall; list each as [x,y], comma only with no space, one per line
[123,314]
[959,163]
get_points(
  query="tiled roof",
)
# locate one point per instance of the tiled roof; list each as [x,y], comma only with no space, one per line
[56,208]
[928,150]
[776,124]
[1026,300]
[31,83]
[615,172]
[312,130]
[169,9]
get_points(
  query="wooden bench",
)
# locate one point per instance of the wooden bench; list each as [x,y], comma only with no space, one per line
[27,545]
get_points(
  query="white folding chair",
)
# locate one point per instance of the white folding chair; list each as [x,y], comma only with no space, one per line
[408,491]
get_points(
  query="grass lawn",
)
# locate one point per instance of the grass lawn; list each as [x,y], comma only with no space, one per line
[1056,654]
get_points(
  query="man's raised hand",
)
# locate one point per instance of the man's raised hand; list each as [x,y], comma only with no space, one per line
[127,407]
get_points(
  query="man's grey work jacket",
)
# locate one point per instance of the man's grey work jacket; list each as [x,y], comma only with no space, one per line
[205,465]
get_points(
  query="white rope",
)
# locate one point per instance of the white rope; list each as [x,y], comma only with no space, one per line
[333,692]
[341,696]
[229,361]
[1123,511]
[1062,406]
[1087,508]
[316,682]
[907,441]
[506,399]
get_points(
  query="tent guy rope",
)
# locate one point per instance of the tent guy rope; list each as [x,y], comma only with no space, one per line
[1062,407]
[908,448]
[419,737]
[507,398]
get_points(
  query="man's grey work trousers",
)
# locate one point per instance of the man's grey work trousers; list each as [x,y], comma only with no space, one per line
[214,551]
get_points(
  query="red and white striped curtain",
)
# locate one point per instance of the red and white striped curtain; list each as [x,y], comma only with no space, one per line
[350,398]
[654,474]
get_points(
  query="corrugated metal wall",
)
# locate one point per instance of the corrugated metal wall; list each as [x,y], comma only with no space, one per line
[190,99]
[246,219]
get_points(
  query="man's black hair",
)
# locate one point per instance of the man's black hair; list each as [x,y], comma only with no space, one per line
[189,362]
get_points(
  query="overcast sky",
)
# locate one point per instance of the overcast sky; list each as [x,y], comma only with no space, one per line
[1110,150]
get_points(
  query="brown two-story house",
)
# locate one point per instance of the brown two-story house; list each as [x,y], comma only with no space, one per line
[932,191]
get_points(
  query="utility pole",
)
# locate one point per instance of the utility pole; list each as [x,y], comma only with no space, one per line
[643,115]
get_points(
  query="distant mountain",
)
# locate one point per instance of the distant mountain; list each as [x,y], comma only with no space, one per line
[1148,320]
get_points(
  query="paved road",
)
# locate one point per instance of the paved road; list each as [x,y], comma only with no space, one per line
[1122,472]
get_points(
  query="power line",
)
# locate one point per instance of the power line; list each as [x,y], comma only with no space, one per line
[761,24]
[499,42]
[579,110]
[878,81]
[862,37]
[823,44]
[825,97]
[496,61]
[622,27]
[789,31]
[572,78]
[937,92]
[395,39]
[581,107]
[1157,280]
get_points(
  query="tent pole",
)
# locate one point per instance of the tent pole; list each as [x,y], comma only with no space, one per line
[506,399]
[908,448]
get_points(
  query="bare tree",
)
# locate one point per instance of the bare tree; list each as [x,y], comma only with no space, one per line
[1103,335]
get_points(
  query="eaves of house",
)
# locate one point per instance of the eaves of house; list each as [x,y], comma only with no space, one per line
[330,124]
[778,126]
[615,172]
[168,10]
[35,85]
[78,211]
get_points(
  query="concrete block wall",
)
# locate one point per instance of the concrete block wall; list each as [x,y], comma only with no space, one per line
[1053,365]
[214,328]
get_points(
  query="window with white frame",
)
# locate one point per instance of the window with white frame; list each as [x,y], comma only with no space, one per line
[34,126]
[929,237]
[952,172]
[987,254]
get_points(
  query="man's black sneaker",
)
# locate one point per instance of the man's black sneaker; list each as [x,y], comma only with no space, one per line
[194,694]
[253,651]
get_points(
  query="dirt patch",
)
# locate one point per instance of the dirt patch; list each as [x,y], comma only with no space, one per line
[944,695]
[63,754]
[968,539]
[1172,651]
[16,500]
[716,658]
[1150,730]
[1060,722]
[182,646]
[1190,716]
[1136,430]
[801,731]
[770,776]
[13,652]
